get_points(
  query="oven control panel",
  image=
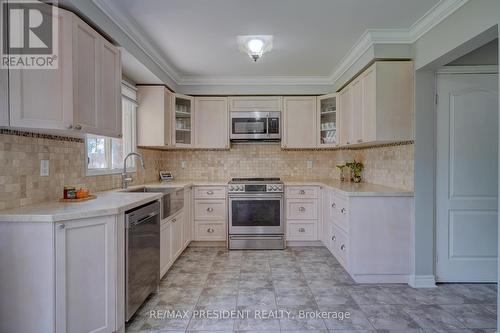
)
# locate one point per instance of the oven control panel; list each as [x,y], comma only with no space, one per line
[255,188]
[274,188]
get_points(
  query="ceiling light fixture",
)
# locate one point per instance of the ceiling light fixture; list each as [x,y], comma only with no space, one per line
[255,45]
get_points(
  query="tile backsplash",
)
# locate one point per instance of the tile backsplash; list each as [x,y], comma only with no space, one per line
[21,183]
[389,165]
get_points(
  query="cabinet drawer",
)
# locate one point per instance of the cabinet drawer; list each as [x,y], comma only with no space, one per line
[301,231]
[302,209]
[210,231]
[340,207]
[340,245]
[210,192]
[210,209]
[302,191]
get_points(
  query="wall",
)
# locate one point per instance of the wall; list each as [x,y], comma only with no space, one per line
[20,181]
[391,166]
[485,55]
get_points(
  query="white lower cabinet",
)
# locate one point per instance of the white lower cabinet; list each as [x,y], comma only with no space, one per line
[85,278]
[210,213]
[172,241]
[302,212]
[187,232]
[370,236]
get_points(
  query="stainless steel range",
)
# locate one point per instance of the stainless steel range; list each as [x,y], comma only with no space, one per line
[256,218]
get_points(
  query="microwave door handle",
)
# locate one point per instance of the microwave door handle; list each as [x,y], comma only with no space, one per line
[267,125]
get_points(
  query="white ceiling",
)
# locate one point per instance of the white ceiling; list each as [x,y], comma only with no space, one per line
[197,38]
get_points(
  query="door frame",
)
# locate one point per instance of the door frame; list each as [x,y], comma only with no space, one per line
[459,70]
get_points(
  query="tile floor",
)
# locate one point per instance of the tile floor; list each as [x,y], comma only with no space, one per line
[298,281]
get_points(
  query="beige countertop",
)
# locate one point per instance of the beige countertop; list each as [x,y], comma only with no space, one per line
[353,189]
[117,201]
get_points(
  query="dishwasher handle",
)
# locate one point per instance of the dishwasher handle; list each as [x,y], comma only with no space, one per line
[144,219]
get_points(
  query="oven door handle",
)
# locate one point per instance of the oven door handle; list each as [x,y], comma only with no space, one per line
[255,196]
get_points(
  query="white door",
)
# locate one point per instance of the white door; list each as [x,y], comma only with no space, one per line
[165,248]
[86,275]
[188,215]
[299,123]
[466,177]
[176,235]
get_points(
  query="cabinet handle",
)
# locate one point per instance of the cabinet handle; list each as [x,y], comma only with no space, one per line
[342,247]
[210,209]
[302,230]
[70,126]
[210,192]
[78,127]
[334,238]
[61,226]
[302,209]
[302,192]
[343,211]
[210,230]
[334,205]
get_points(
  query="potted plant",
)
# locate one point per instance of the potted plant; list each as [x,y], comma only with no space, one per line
[356,168]
[341,169]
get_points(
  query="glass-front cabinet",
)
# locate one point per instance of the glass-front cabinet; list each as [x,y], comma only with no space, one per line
[327,120]
[183,109]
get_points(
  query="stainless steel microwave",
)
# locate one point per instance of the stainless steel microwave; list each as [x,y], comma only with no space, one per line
[255,125]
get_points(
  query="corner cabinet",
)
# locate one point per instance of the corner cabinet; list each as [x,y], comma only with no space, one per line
[327,116]
[299,122]
[377,106]
[81,96]
[154,117]
[211,122]
[183,125]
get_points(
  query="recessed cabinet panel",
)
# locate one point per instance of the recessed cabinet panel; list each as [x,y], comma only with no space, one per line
[345,116]
[154,116]
[255,103]
[211,122]
[299,122]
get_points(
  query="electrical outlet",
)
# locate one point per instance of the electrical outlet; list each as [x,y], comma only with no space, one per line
[183,164]
[44,168]
[309,164]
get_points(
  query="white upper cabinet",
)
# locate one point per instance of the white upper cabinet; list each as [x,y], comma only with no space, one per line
[154,116]
[43,98]
[327,121]
[299,122]
[183,125]
[377,106]
[4,97]
[255,103]
[211,122]
[345,99]
[82,95]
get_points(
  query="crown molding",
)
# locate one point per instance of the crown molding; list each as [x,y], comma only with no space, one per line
[368,39]
[138,38]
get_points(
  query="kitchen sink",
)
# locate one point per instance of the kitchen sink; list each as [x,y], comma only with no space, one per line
[152,189]
[172,199]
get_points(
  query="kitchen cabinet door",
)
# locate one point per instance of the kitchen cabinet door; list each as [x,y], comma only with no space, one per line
[188,217]
[328,121]
[211,122]
[368,80]
[176,236]
[183,126]
[345,115]
[299,122]
[154,116]
[87,52]
[356,130]
[86,276]
[43,98]
[165,248]
[4,97]
[109,114]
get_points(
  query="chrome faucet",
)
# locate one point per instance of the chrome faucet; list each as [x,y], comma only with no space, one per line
[125,177]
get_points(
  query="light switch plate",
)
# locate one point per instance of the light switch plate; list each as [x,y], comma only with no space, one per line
[183,164]
[44,168]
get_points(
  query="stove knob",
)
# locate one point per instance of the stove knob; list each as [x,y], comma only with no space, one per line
[231,188]
[274,187]
[241,188]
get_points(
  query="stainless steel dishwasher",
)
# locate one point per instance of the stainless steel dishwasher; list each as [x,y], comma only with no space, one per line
[142,255]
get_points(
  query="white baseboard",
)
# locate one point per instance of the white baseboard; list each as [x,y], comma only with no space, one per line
[304,243]
[380,278]
[422,281]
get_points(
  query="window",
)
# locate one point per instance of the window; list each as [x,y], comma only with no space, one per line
[105,155]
